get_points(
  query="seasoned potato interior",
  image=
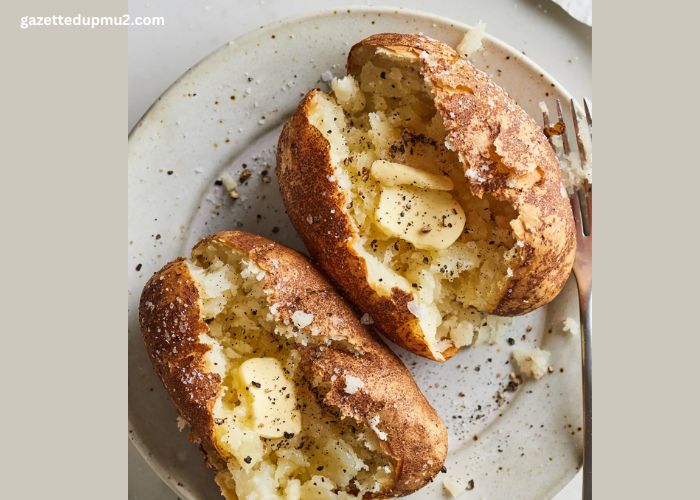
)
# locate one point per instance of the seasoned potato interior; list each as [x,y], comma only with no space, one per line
[277,439]
[421,229]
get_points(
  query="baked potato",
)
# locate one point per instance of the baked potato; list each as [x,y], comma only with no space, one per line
[286,392]
[426,194]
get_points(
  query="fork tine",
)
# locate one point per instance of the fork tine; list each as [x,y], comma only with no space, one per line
[589,118]
[577,130]
[545,121]
[588,187]
[582,199]
[576,208]
[585,206]
[588,190]
[564,138]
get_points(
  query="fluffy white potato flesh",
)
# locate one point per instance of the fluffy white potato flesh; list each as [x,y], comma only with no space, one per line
[532,363]
[348,94]
[278,440]
[388,141]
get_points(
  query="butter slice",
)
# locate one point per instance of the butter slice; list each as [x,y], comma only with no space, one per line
[431,220]
[271,396]
[395,174]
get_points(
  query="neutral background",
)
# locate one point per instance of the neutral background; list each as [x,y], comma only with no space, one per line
[157,56]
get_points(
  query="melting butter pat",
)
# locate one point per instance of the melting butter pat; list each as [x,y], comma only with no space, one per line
[271,396]
[396,174]
[431,220]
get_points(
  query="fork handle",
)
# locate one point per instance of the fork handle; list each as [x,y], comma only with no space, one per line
[586,361]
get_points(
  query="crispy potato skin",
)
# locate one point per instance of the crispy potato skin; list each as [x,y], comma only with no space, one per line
[416,437]
[472,107]
[171,335]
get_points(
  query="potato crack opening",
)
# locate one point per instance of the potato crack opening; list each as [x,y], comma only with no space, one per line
[421,228]
[278,440]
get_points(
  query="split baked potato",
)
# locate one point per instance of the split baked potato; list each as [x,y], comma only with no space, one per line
[286,392]
[427,194]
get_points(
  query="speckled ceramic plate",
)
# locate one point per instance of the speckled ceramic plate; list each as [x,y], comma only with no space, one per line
[226,112]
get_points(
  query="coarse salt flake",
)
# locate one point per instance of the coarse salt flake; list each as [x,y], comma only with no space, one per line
[353,384]
[415,308]
[302,319]
[181,423]
[474,175]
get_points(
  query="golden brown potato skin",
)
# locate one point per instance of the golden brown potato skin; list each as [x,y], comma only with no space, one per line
[171,335]
[471,105]
[416,437]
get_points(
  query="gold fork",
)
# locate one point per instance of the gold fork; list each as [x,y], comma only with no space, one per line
[582,207]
